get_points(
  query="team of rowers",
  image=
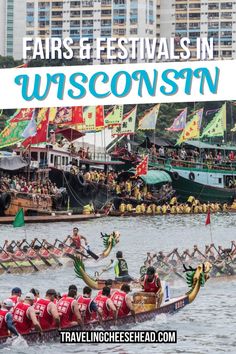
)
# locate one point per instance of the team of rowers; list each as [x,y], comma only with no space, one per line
[192,206]
[23,314]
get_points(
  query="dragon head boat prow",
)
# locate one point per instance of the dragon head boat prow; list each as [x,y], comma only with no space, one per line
[109,242]
[196,278]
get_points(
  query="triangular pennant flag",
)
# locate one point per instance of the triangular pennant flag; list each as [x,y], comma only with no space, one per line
[42,129]
[217,125]
[22,115]
[179,122]
[19,219]
[31,129]
[114,117]
[192,129]
[208,218]
[149,120]
[127,126]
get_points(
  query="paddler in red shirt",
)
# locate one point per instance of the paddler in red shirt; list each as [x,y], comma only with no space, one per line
[123,301]
[46,308]
[88,307]
[76,239]
[152,284]
[16,295]
[68,310]
[6,319]
[105,304]
[24,316]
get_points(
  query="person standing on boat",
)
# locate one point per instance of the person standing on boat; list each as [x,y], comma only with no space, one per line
[121,268]
[47,309]
[24,316]
[15,295]
[6,319]
[76,239]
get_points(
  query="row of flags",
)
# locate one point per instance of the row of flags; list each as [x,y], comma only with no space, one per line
[191,130]
[30,126]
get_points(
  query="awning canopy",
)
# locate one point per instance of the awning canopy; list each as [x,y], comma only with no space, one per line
[12,163]
[70,134]
[152,177]
[202,145]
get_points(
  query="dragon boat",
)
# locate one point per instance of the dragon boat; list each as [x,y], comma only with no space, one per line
[54,257]
[144,310]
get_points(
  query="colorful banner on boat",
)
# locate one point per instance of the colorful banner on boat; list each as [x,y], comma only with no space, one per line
[42,129]
[22,114]
[149,120]
[217,125]
[179,122]
[31,129]
[192,129]
[12,134]
[99,118]
[114,116]
[127,126]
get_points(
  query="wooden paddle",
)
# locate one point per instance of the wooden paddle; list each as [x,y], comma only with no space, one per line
[80,253]
[11,260]
[53,255]
[38,254]
[97,275]
[92,254]
[28,260]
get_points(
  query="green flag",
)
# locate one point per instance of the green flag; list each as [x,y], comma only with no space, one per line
[12,133]
[114,117]
[217,125]
[19,219]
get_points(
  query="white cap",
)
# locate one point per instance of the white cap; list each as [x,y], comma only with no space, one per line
[29,296]
[8,303]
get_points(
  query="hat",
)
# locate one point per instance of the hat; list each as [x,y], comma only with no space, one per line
[16,291]
[8,303]
[29,296]
[51,292]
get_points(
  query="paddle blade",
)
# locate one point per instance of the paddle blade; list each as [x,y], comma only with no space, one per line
[93,255]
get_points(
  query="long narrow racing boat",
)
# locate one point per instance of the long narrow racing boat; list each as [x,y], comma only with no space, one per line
[52,257]
[195,279]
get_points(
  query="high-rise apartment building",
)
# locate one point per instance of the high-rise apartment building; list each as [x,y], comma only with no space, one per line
[201,18]
[12,27]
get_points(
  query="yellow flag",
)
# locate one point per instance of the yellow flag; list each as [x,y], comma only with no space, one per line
[192,129]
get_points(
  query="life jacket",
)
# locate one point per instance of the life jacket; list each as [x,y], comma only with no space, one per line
[64,307]
[123,267]
[44,253]
[20,318]
[119,300]
[5,257]
[31,253]
[101,301]
[19,255]
[158,209]
[77,242]
[45,319]
[84,308]
[151,287]
[3,324]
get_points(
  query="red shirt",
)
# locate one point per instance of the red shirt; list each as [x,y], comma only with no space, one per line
[84,308]
[119,300]
[77,241]
[20,318]
[45,318]
[151,287]
[3,325]
[101,301]
[15,298]
[64,307]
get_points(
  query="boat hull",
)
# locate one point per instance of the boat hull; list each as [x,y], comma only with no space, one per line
[170,307]
[185,187]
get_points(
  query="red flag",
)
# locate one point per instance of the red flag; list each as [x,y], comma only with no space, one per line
[22,114]
[42,131]
[22,66]
[142,167]
[77,115]
[99,117]
[208,218]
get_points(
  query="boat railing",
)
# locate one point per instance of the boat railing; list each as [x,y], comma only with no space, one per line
[208,166]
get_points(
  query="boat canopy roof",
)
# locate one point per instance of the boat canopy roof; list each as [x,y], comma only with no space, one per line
[152,177]
[202,145]
[12,163]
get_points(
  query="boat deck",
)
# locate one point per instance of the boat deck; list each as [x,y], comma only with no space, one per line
[51,218]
